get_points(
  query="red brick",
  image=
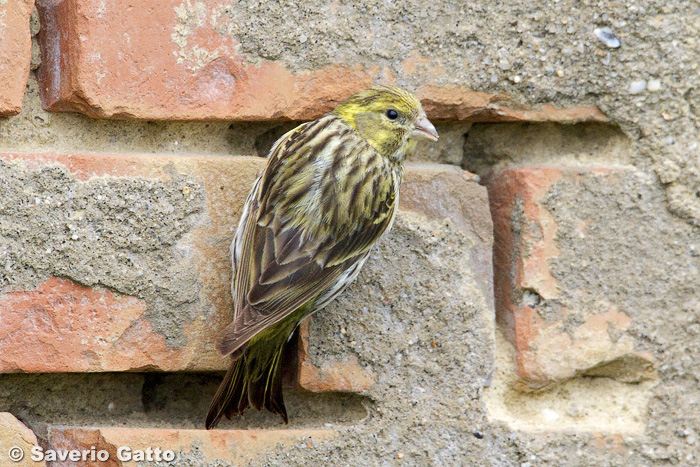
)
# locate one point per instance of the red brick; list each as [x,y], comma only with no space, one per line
[525,242]
[101,330]
[62,318]
[196,446]
[15,53]
[14,434]
[333,376]
[91,48]
[458,103]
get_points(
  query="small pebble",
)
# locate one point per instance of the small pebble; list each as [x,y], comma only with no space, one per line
[400,455]
[637,86]
[653,85]
[606,36]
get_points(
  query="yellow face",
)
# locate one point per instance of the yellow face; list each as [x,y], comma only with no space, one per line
[389,118]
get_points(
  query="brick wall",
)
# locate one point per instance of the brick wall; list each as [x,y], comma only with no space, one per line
[535,304]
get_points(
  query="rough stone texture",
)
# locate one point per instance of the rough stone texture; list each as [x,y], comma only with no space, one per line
[191,447]
[577,405]
[589,268]
[333,375]
[557,333]
[188,60]
[488,146]
[15,53]
[13,435]
[449,149]
[135,226]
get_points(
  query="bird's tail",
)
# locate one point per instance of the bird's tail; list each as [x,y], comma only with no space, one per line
[254,378]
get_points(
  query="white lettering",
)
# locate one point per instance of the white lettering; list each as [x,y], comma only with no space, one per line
[124,454]
[37,454]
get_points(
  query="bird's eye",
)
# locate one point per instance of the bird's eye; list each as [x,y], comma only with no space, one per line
[392,114]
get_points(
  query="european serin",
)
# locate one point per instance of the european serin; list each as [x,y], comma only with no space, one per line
[329,191]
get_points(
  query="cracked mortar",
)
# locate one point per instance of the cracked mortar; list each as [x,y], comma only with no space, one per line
[118,233]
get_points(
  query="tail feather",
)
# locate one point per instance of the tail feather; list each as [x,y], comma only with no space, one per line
[250,381]
[231,398]
[275,400]
[265,391]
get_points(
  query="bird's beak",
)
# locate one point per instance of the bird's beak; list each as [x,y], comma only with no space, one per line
[424,130]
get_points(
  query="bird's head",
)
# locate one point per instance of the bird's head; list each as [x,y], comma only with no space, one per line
[389,118]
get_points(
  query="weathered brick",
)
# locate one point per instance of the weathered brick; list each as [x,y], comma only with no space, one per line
[15,53]
[344,376]
[181,281]
[555,337]
[179,65]
[160,305]
[191,447]
[458,103]
[13,435]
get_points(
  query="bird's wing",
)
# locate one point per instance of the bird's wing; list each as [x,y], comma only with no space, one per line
[280,262]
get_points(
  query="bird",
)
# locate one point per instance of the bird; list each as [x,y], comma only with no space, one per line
[329,191]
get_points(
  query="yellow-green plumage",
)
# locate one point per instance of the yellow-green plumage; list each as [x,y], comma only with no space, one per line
[329,191]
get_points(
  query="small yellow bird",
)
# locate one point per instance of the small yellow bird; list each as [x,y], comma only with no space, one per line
[329,191]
